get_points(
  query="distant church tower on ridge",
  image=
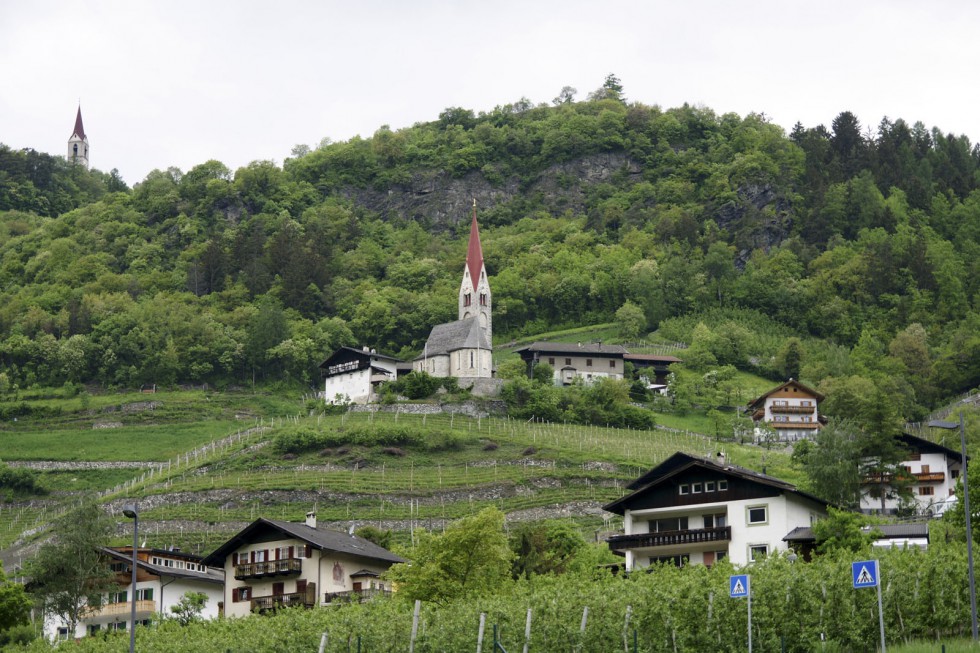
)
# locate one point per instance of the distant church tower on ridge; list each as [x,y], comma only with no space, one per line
[78,143]
[474,291]
[462,349]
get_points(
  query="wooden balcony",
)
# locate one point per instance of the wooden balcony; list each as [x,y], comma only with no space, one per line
[286,567]
[929,477]
[263,603]
[791,409]
[123,609]
[670,538]
[793,425]
[354,596]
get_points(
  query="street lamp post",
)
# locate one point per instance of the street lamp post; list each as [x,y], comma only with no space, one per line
[133,513]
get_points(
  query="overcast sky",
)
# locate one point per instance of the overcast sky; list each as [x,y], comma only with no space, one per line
[176,83]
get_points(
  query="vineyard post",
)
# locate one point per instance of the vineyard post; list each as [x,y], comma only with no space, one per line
[415,626]
[479,635]
[527,631]
[626,628]
[323,642]
[585,619]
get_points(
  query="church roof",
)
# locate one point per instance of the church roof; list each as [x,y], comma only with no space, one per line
[451,336]
[474,252]
[79,129]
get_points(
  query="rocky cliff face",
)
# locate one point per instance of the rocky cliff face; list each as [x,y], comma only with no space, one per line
[441,201]
[759,218]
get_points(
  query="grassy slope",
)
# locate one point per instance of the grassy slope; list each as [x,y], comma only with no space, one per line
[513,465]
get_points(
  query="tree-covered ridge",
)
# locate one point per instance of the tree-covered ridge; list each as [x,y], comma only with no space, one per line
[867,240]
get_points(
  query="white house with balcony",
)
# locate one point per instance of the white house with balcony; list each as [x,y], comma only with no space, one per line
[163,576]
[272,564]
[353,375]
[693,510]
[791,410]
[931,473]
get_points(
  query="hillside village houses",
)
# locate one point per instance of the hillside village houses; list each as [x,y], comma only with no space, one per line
[272,563]
[693,510]
[163,576]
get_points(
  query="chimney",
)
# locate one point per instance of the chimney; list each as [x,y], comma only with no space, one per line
[311,519]
[721,458]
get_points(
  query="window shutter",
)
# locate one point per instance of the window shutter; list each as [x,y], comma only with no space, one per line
[290,552]
[277,552]
[252,553]
[234,559]
[309,551]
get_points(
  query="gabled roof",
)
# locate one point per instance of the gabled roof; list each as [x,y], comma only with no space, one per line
[346,352]
[928,446]
[212,575]
[594,348]
[79,129]
[321,539]
[681,462]
[474,251]
[451,336]
[791,383]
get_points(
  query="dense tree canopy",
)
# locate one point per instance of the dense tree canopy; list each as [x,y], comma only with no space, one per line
[864,239]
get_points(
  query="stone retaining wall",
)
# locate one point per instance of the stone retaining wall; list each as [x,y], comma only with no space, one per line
[468,408]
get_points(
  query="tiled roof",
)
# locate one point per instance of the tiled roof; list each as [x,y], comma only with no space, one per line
[451,336]
[318,538]
[888,531]
[212,575]
[596,348]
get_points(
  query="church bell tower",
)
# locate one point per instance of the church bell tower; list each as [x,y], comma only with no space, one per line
[474,291]
[78,143]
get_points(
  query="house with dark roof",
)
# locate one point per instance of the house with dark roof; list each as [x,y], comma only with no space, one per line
[657,363]
[902,536]
[463,348]
[272,563]
[694,510]
[571,362]
[790,409]
[353,375]
[931,474]
[163,576]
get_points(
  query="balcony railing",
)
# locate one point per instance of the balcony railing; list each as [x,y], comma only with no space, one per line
[670,538]
[261,603]
[794,409]
[927,477]
[793,424]
[123,608]
[354,596]
[270,568]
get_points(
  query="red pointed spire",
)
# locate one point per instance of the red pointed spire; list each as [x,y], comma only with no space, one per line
[79,129]
[474,253]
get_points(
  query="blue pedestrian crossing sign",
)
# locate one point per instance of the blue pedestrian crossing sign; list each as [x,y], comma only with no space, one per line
[738,587]
[865,573]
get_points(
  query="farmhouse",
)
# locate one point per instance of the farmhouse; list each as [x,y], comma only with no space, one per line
[790,409]
[576,362]
[692,510]
[271,564]
[353,375]
[163,576]
[931,474]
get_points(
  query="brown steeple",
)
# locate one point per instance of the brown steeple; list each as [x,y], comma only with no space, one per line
[79,129]
[474,253]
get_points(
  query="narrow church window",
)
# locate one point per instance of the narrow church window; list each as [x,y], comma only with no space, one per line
[471,359]
[467,300]
[483,299]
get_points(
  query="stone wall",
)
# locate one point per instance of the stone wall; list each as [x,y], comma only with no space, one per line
[468,408]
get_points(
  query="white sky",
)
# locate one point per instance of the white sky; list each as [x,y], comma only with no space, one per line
[178,82]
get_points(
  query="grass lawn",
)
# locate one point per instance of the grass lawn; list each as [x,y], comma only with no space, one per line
[138,443]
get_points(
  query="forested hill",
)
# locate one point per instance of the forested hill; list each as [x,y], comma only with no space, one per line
[864,236]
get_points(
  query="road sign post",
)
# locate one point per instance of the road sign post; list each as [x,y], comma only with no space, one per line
[739,588]
[865,574]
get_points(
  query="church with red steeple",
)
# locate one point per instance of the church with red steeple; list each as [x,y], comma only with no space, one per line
[462,349]
[78,143]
